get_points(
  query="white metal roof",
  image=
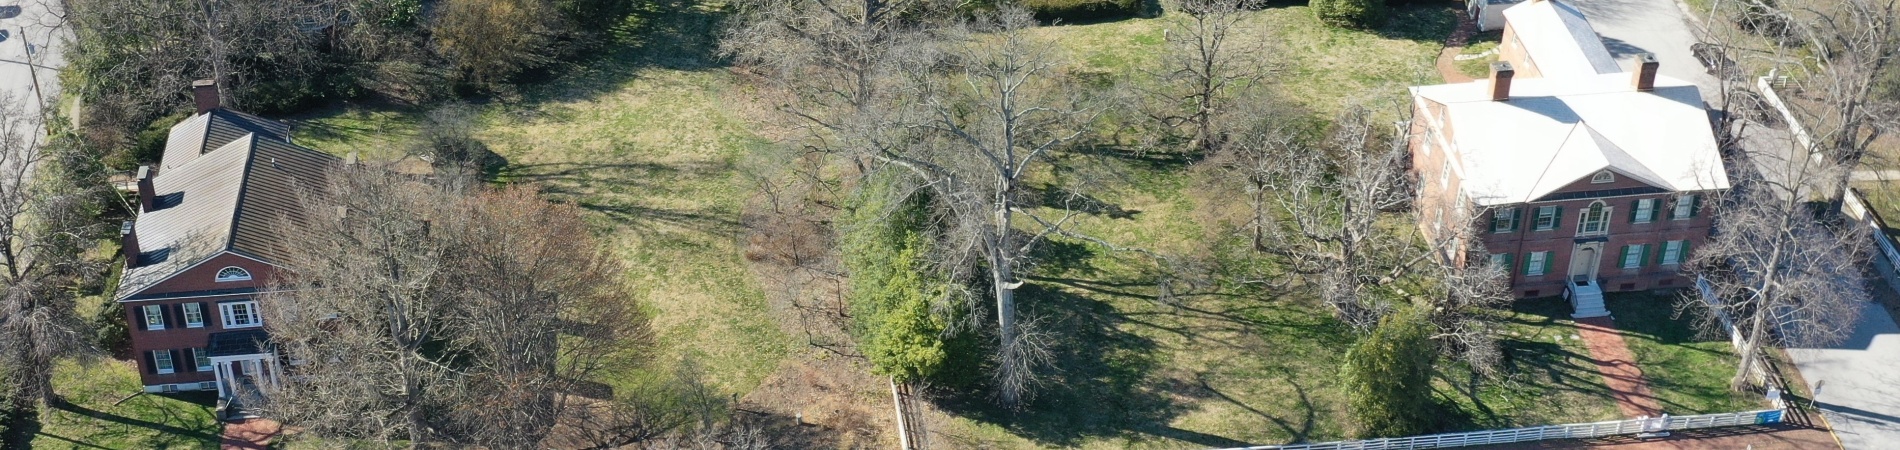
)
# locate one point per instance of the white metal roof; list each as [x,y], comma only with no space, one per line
[1559,40]
[1555,131]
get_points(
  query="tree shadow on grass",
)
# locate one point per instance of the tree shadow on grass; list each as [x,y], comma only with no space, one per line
[619,191]
[1099,382]
[672,34]
[1533,367]
[171,425]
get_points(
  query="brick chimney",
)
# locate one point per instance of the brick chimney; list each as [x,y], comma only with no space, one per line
[145,188]
[1501,74]
[129,244]
[205,94]
[1645,77]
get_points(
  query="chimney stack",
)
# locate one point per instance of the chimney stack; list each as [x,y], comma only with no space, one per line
[1645,76]
[145,189]
[205,94]
[129,244]
[1501,74]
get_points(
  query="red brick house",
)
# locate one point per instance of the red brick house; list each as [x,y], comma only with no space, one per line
[1578,181]
[204,246]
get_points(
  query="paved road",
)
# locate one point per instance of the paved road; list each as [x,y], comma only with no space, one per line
[37,27]
[1859,382]
[1629,27]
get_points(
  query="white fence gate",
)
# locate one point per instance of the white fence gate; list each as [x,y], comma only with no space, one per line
[1570,431]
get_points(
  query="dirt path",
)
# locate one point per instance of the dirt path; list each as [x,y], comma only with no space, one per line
[1448,58]
[1618,367]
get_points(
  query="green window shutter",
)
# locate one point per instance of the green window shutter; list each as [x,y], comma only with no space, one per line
[1662,251]
[1623,258]
[1557,220]
[1645,258]
[1517,214]
[1633,205]
[1695,205]
[1547,259]
[1507,260]
[1527,263]
[1683,256]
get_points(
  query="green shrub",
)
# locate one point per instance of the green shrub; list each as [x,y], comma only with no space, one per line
[1082,10]
[893,287]
[1388,377]
[1350,13]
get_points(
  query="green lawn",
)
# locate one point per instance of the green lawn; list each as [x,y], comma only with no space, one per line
[105,410]
[1481,43]
[1688,370]
[663,149]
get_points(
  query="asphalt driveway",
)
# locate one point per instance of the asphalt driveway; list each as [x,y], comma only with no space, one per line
[1859,381]
[1630,27]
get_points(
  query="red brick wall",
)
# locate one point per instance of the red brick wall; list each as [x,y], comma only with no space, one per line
[1438,200]
[176,336]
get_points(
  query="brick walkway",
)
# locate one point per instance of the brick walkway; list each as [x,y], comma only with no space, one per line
[248,434]
[1447,58]
[1618,366]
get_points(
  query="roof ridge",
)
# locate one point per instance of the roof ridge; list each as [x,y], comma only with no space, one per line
[243,184]
[1553,161]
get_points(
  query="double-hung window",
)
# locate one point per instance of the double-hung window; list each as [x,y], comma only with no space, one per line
[1673,252]
[154,317]
[1548,217]
[1595,220]
[1633,256]
[240,314]
[1501,261]
[1685,207]
[194,315]
[203,360]
[1504,220]
[162,361]
[1536,263]
[1644,211]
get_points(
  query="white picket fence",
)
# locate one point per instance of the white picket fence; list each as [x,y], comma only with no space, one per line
[1570,431]
[1856,207]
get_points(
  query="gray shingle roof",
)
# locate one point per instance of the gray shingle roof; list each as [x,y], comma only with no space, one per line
[227,199]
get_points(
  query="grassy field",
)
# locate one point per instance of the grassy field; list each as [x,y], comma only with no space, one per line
[663,145]
[105,410]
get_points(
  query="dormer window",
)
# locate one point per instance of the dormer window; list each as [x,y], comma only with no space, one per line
[1603,177]
[233,274]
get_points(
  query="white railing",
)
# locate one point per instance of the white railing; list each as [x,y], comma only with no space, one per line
[1767,85]
[1856,207]
[1570,431]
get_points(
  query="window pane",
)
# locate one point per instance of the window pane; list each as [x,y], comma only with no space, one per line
[154,317]
[162,360]
[204,361]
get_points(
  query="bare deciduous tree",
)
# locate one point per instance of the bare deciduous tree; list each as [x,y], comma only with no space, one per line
[440,312]
[1210,63]
[1329,202]
[1787,272]
[47,220]
[990,114]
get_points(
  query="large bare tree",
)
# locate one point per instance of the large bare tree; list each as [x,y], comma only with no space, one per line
[1211,62]
[437,312]
[990,111]
[47,220]
[1787,272]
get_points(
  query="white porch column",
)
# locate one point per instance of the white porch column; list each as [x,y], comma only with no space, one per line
[221,370]
[274,368]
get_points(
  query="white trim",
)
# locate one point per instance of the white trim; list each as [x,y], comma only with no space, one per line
[124,298]
[208,366]
[186,386]
[171,366]
[147,311]
[220,278]
[184,310]
[231,294]
[225,314]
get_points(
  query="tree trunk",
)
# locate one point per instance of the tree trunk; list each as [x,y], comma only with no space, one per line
[1750,353]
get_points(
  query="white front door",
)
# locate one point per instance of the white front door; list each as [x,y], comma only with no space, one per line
[1584,260]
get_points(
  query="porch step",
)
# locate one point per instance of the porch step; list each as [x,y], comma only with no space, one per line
[1587,302]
